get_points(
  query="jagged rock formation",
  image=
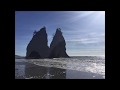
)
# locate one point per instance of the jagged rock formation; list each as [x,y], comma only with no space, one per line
[57,46]
[34,55]
[37,47]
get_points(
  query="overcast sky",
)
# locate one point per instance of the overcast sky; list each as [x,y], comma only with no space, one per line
[84,31]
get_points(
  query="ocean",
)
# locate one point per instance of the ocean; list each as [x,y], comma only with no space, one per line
[76,67]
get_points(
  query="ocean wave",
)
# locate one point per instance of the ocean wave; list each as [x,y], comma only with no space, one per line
[94,66]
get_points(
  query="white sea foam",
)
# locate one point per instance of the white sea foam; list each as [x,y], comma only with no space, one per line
[94,66]
[82,63]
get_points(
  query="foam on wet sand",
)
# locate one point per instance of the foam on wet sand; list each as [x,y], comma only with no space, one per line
[59,69]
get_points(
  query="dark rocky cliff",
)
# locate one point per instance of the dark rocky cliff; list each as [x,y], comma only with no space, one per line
[58,46]
[37,47]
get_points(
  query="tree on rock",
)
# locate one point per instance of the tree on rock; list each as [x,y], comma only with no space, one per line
[44,27]
[34,32]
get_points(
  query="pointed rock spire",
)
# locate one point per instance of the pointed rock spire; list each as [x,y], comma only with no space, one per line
[58,45]
[38,45]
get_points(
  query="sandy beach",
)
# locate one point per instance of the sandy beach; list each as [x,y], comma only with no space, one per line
[25,70]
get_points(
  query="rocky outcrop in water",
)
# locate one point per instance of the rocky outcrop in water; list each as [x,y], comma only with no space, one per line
[58,46]
[37,47]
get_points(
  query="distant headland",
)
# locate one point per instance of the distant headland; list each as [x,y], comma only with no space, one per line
[38,48]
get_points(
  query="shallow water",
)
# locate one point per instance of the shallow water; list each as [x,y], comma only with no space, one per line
[62,68]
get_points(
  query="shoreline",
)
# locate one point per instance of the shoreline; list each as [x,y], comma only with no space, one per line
[25,70]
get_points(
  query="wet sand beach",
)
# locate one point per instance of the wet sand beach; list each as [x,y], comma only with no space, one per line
[25,70]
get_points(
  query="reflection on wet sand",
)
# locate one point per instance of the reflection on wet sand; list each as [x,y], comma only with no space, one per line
[40,72]
[32,71]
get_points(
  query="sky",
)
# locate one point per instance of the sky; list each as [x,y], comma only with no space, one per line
[84,31]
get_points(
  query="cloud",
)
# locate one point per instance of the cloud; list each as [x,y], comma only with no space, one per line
[79,15]
[93,33]
[75,30]
[77,40]
[86,40]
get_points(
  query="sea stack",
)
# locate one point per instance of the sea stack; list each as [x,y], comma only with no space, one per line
[38,46]
[58,45]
